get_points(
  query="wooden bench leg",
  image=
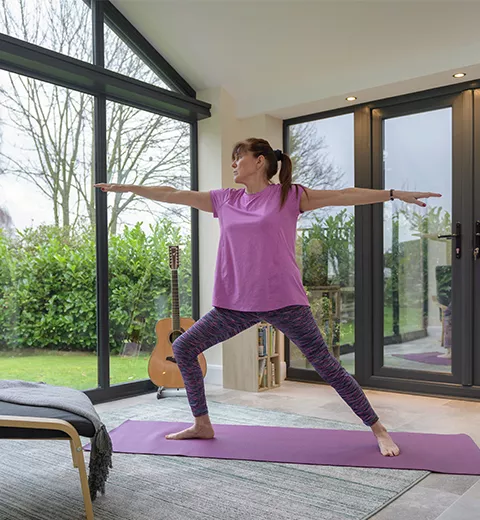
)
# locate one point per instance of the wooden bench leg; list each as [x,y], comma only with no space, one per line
[75,446]
[79,462]
[74,453]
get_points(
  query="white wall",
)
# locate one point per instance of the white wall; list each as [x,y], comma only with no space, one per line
[216,137]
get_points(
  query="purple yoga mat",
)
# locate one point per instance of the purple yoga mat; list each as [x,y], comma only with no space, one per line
[426,357]
[456,454]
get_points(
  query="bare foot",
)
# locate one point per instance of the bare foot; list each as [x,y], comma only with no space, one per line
[194,432]
[447,355]
[387,447]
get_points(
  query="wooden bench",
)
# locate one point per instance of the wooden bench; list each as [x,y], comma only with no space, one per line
[40,423]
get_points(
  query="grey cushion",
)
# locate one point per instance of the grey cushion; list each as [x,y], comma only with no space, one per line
[83,426]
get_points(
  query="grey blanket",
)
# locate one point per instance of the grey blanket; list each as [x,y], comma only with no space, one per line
[70,400]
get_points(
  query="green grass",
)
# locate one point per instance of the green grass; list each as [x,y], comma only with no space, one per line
[72,369]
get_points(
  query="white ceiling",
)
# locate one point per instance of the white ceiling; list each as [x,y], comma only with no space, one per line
[292,57]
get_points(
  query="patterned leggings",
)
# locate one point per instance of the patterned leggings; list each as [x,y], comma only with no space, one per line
[295,321]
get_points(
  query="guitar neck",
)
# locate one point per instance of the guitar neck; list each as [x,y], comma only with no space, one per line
[175,301]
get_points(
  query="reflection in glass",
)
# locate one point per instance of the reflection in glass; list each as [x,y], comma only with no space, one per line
[417,265]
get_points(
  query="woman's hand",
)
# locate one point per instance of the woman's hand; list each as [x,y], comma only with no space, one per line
[118,188]
[411,197]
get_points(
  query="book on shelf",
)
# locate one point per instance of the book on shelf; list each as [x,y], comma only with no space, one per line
[260,342]
[273,337]
[262,372]
[266,339]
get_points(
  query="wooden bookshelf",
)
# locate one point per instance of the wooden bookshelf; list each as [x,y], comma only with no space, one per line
[251,360]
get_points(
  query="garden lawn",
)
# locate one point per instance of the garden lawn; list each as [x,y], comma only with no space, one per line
[72,369]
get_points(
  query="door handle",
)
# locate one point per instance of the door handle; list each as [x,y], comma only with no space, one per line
[476,251]
[458,239]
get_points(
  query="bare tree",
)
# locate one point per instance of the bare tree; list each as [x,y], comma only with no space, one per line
[312,166]
[143,148]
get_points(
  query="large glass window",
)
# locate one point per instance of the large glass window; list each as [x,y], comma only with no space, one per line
[47,234]
[323,158]
[145,149]
[63,26]
[119,57]
[48,286]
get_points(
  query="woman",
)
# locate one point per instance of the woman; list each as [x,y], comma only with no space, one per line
[256,276]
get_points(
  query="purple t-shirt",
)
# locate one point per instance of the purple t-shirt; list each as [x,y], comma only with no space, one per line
[256,268]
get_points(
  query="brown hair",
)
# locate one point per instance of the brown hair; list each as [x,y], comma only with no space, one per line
[261,147]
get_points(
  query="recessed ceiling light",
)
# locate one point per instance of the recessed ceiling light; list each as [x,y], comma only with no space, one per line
[351,98]
[459,75]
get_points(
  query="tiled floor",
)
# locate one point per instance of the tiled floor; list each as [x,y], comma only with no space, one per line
[442,497]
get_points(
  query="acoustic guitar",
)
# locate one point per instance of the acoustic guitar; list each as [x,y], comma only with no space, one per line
[162,367]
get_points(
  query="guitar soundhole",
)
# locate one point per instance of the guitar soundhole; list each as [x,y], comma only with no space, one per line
[175,334]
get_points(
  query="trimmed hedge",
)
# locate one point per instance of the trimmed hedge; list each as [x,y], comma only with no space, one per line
[48,287]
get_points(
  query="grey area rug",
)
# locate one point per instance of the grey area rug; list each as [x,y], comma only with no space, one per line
[38,482]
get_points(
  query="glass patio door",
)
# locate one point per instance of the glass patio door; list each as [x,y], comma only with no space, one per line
[423,257]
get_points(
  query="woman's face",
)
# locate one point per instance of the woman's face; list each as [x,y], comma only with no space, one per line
[245,166]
